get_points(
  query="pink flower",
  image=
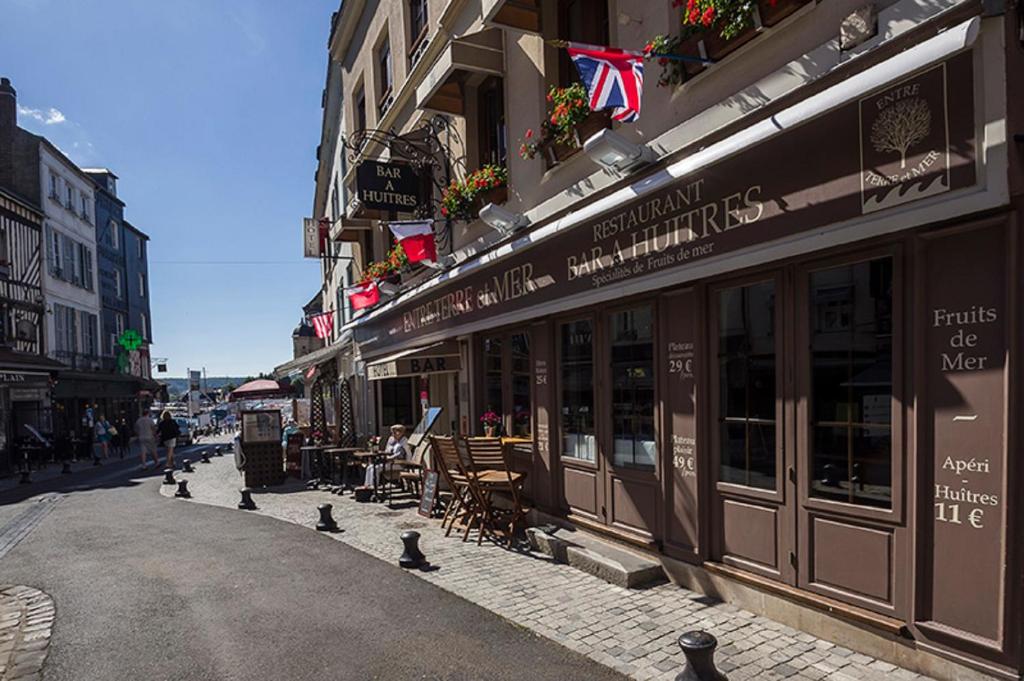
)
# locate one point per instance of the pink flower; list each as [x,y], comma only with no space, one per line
[529,133]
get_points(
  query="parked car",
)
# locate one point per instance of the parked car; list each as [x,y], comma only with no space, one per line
[186,436]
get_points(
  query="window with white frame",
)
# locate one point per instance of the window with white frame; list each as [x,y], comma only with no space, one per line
[90,333]
[114,238]
[65,324]
[118,284]
[142,284]
[53,185]
[70,195]
[119,324]
[85,208]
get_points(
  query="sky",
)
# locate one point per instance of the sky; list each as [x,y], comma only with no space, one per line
[209,113]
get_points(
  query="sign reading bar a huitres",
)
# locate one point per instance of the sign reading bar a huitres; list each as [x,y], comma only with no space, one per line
[912,139]
[388,186]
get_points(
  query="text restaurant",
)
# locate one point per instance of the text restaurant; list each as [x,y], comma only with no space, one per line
[784,360]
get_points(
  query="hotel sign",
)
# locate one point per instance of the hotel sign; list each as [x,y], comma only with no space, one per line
[388,186]
[911,139]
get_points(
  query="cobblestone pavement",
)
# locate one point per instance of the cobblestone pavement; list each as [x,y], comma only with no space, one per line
[26,622]
[632,631]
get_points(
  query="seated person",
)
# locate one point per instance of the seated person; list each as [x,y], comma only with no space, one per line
[396,448]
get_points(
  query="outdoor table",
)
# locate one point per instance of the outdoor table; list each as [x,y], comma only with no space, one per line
[343,454]
[371,458]
[312,456]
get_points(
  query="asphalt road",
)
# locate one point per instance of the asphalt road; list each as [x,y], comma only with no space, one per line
[153,588]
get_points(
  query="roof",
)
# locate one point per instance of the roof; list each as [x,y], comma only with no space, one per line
[136,230]
[100,171]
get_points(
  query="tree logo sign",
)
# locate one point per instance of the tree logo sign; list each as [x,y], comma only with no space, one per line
[904,143]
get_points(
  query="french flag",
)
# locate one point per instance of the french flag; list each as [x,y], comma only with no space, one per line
[364,295]
[417,239]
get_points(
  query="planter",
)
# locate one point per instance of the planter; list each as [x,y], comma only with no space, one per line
[497,196]
[557,152]
[690,48]
[773,14]
[490,431]
[718,47]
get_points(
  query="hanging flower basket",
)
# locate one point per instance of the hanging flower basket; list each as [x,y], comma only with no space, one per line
[774,11]
[558,151]
[462,200]
[495,195]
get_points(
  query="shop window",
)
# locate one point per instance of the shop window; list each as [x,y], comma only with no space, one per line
[493,376]
[580,21]
[493,145]
[522,405]
[577,390]
[851,383]
[632,379]
[747,389]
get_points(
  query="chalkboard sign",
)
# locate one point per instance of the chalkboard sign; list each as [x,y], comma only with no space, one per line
[426,508]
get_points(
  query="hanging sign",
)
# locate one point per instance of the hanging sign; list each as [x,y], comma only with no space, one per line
[388,186]
[310,238]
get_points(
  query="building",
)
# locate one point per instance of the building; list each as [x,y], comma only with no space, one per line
[766,333]
[113,276]
[136,256]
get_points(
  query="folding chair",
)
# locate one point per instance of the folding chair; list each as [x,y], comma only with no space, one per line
[465,504]
[489,471]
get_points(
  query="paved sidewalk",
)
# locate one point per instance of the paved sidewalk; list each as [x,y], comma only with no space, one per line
[632,631]
[26,622]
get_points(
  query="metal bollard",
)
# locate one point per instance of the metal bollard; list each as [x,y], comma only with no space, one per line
[186,466]
[26,476]
[326,523]
[205,457]
[183,490]
[218,451]
[66,468]
[699,649]
[246,504]
[169,476]
[411,557]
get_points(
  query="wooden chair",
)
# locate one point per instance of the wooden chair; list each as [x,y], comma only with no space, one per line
[411,472]
[465,504]
[489,471]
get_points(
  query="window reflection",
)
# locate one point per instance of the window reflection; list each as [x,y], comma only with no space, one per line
[851,383]
[493,378]
[521,381]
[577,393]
[746,376]
[632,378]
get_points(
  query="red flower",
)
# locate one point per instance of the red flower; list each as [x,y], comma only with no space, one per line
[690,4]
[444,211]
[648,48]
[709,16]
[529,133]
[554,120]
[693,16]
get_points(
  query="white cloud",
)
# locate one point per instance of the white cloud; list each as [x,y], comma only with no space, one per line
[51,116]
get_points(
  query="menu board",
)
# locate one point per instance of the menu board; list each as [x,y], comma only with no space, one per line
[429,494]
[261,426]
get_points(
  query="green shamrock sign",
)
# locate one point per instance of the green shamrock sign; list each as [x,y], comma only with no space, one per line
[130,340]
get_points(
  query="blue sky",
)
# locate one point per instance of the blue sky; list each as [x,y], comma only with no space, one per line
[209,112]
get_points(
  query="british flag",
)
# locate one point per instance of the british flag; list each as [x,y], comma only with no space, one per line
[614,78]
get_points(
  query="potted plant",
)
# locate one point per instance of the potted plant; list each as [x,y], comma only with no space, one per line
[569,122]
[491,423]
[725,25]
[462,200]
[675,71]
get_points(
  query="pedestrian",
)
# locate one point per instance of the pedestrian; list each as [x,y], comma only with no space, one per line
[104,433]
[168,433]
[145,431]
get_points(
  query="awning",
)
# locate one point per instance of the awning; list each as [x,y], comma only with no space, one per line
[522,15]
[299,365]
[478,53]
[439,358]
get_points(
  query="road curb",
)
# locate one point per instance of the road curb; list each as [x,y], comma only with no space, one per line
[26,624]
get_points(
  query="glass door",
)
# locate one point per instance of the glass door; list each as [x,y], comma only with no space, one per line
[582,491]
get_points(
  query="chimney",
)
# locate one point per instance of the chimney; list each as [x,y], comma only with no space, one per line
[8,105]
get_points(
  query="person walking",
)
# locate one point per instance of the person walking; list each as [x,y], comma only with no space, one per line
[168,433]
[104,433]
[145,431]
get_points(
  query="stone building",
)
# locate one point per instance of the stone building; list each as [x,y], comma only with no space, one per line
[765,333]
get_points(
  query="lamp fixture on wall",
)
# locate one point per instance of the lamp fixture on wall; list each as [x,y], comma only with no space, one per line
[502,219]
[614,152]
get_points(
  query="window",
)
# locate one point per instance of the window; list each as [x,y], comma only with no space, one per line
[53,185]
[746,379]
[384,66]
[90,334]
[417,20]
[492,142]
[144,324]
[53,252]
[632,379]
[85,208]
[118,284]
[70,196]
[522,379]
[581,21]
[851,383]
[494,377]
[119,324]
[142,249]
[142,284]
[361,109]
[65,329]
[114,235]
[69,255]
[577,390]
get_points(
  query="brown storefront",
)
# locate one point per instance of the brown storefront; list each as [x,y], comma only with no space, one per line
[788,359]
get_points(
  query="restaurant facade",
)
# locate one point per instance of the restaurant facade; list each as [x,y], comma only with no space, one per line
[780,358]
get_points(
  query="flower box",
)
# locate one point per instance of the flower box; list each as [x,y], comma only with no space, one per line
[774,12]
[690,48]
[558,152]
[495,195]
[718,47]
